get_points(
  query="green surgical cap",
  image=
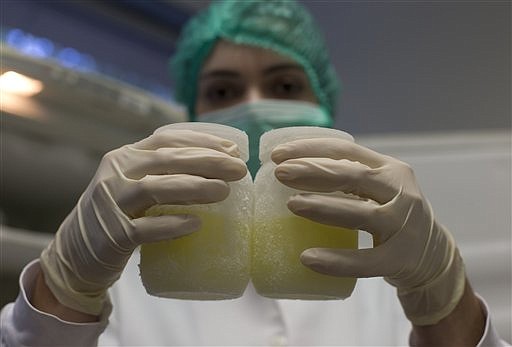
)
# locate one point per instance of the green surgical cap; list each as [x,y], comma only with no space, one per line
[283,26]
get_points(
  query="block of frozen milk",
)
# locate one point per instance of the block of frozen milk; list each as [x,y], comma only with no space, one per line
[212,263]
[279,237]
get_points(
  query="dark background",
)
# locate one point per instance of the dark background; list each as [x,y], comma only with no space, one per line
[406,66]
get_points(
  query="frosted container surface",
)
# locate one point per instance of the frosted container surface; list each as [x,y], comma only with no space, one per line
[212,263]
[279,236]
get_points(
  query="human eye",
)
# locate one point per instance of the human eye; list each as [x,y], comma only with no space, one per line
[220,92]
[286,87]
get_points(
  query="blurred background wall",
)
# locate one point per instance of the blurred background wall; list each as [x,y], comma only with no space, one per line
[426,81]
[405,66]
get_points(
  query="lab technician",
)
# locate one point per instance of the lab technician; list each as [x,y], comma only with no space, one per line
[257,66]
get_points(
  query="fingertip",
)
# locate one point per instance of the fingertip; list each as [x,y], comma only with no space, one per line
[193,222]
[183,221]
[278,154]
[185,224]
[282,173]
[239,171]
[230,148]
[297,205]
[218,191]
[311,258]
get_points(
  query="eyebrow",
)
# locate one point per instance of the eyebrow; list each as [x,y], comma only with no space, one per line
[233,74]
[280,67]
[218,73]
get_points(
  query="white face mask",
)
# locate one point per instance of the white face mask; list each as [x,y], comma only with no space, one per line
[256,118]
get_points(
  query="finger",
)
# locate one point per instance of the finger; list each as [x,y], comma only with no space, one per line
[329,175]
[137,196]
[334,210]
[379,220]
[174,138]
[196,161]
[363,263]
[166,227]
[328,148]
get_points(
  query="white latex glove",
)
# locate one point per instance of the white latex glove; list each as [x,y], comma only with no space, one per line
[96,239]
[411,250]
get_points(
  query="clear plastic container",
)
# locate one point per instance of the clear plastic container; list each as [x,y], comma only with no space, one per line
[212,263]
[279,236]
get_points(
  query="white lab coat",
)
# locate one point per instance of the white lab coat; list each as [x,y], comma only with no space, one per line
[371,316]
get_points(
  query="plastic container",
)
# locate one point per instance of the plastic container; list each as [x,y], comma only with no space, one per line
[212,263]
[279,236]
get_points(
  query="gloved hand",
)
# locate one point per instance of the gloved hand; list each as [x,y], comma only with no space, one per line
[411,250]
[97,238]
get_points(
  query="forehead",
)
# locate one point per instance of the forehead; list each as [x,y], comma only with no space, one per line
[227,55]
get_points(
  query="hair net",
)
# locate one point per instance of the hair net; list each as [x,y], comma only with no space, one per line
[280,25]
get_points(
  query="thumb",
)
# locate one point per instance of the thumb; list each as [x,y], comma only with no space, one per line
[362,263]
[165,227]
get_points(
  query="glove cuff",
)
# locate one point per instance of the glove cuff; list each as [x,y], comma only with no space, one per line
[60,279]
[428,304]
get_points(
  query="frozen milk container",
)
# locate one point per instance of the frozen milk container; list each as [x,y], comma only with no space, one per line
[279,236]
[212,263]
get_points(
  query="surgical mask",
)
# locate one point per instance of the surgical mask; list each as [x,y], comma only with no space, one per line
[256,118]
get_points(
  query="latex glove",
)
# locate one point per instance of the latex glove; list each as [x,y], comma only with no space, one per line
[411,250]
[97,238]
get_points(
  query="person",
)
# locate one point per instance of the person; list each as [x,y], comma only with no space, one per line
[85,289]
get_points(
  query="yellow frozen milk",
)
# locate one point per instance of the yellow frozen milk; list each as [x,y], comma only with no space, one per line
[279,237]
[276,269]
[213,262]
[209,264]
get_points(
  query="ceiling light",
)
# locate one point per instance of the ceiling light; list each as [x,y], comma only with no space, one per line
[16,83]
